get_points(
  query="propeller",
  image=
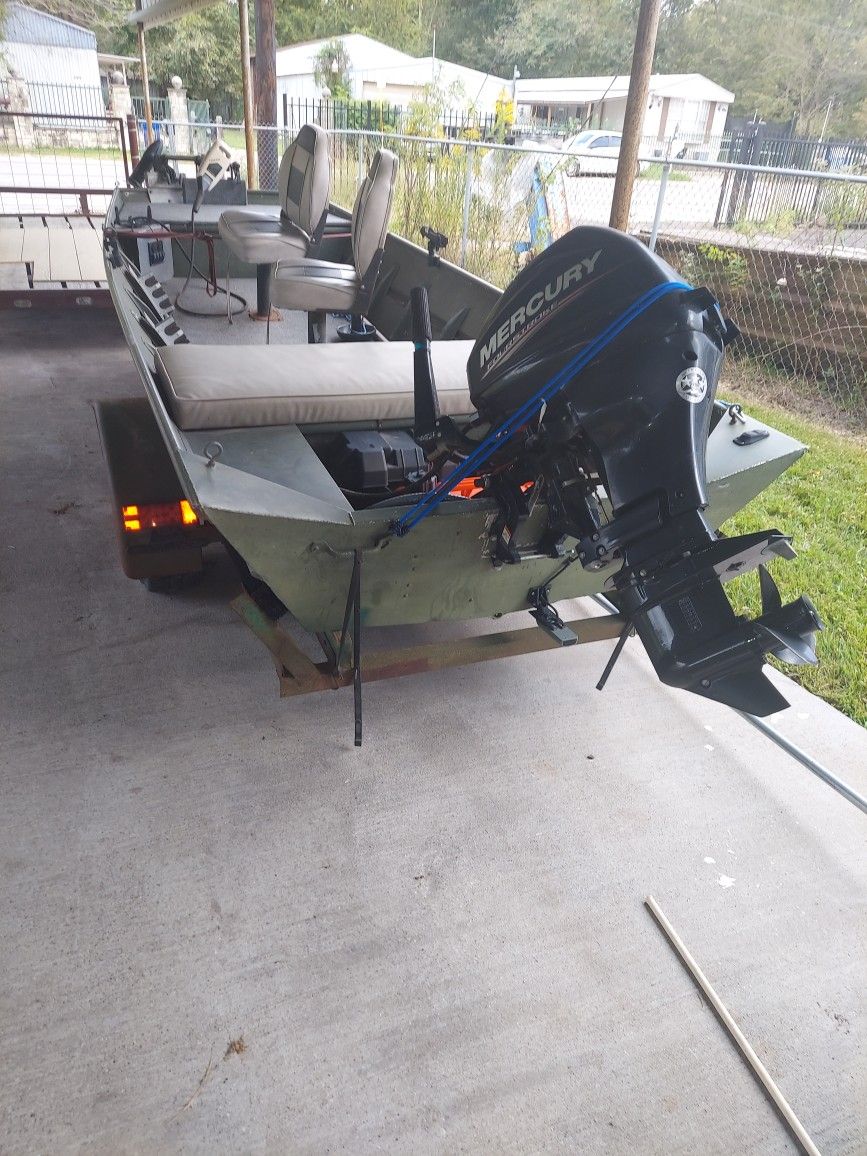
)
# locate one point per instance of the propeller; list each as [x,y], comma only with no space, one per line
[790,629]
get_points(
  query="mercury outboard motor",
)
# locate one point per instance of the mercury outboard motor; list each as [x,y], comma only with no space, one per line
[606,364]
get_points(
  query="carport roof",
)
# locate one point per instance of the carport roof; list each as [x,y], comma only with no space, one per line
[155,12]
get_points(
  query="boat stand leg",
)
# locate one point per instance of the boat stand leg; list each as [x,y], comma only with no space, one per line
[353,608]
[298,675]
[356,644]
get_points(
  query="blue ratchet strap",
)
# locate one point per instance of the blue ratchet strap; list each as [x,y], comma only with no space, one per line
[520,417]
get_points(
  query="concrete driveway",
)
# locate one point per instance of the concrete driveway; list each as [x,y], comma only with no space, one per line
[222,928]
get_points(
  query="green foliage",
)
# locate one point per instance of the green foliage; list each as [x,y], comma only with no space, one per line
[202,49]
[332,69]
[782,223]
[397,22]
[787,60]
[570,37]
[654,172]
[723,270]
[845,206]
[365,114]
[822,502]
[431,189]
[472,33]
[818,281]
[426,111]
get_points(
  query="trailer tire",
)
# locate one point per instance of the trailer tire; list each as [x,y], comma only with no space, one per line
[171,583]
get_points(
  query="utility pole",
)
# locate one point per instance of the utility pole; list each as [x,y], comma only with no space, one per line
[636,106]
[265,90]
[145,78]
[244,31]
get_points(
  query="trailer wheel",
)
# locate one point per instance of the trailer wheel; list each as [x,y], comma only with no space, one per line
[171,583]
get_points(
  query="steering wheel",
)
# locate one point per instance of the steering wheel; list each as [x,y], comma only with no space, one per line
[147,163]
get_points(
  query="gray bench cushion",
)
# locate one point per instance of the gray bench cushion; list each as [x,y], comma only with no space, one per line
[220,387]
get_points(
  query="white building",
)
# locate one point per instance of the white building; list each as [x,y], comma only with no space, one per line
[57,59]
[380,73]
[681,107]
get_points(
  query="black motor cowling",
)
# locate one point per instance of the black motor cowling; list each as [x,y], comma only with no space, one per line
[634,422]
[644,403]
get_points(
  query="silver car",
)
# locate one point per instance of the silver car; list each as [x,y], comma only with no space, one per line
[593,151]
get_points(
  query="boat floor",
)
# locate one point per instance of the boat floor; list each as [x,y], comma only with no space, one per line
[224,928]
[214,329]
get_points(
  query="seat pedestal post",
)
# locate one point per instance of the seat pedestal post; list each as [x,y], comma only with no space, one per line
[316,328]
[264,311]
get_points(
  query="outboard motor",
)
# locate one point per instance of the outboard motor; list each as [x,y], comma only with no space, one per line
[611,364]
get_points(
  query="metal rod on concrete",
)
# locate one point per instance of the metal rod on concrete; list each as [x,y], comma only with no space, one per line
[795,1126]
[804,759]
[774,735]
[636,107]
[247,86]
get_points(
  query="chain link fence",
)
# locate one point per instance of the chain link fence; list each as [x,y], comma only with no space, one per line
[784,250]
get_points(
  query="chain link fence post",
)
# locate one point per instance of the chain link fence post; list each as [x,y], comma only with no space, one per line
[660,201]
[468,198]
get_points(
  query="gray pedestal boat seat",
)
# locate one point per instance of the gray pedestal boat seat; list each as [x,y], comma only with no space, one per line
[303,188]
[236,387]
[318,287]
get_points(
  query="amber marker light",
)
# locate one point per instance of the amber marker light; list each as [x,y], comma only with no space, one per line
[158,516]
[131,520]
[189,517]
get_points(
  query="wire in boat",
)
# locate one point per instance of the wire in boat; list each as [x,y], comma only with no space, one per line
[212,288]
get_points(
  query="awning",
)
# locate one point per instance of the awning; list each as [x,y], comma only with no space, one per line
[153,13]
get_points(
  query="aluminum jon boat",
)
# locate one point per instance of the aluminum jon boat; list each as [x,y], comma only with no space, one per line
[487,452]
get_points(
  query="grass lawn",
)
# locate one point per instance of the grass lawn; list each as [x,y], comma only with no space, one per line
[822,503]
[654,171]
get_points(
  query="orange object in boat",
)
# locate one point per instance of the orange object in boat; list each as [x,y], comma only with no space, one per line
[468,488]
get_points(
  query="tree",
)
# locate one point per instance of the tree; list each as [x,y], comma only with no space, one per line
[400,23]
[471,34]
[588,37]
[332,69]
[570,37]
[785,60]
[203,49]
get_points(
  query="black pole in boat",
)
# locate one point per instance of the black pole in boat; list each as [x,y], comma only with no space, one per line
[427,408]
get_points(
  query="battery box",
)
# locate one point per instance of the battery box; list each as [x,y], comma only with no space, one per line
[367,461]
